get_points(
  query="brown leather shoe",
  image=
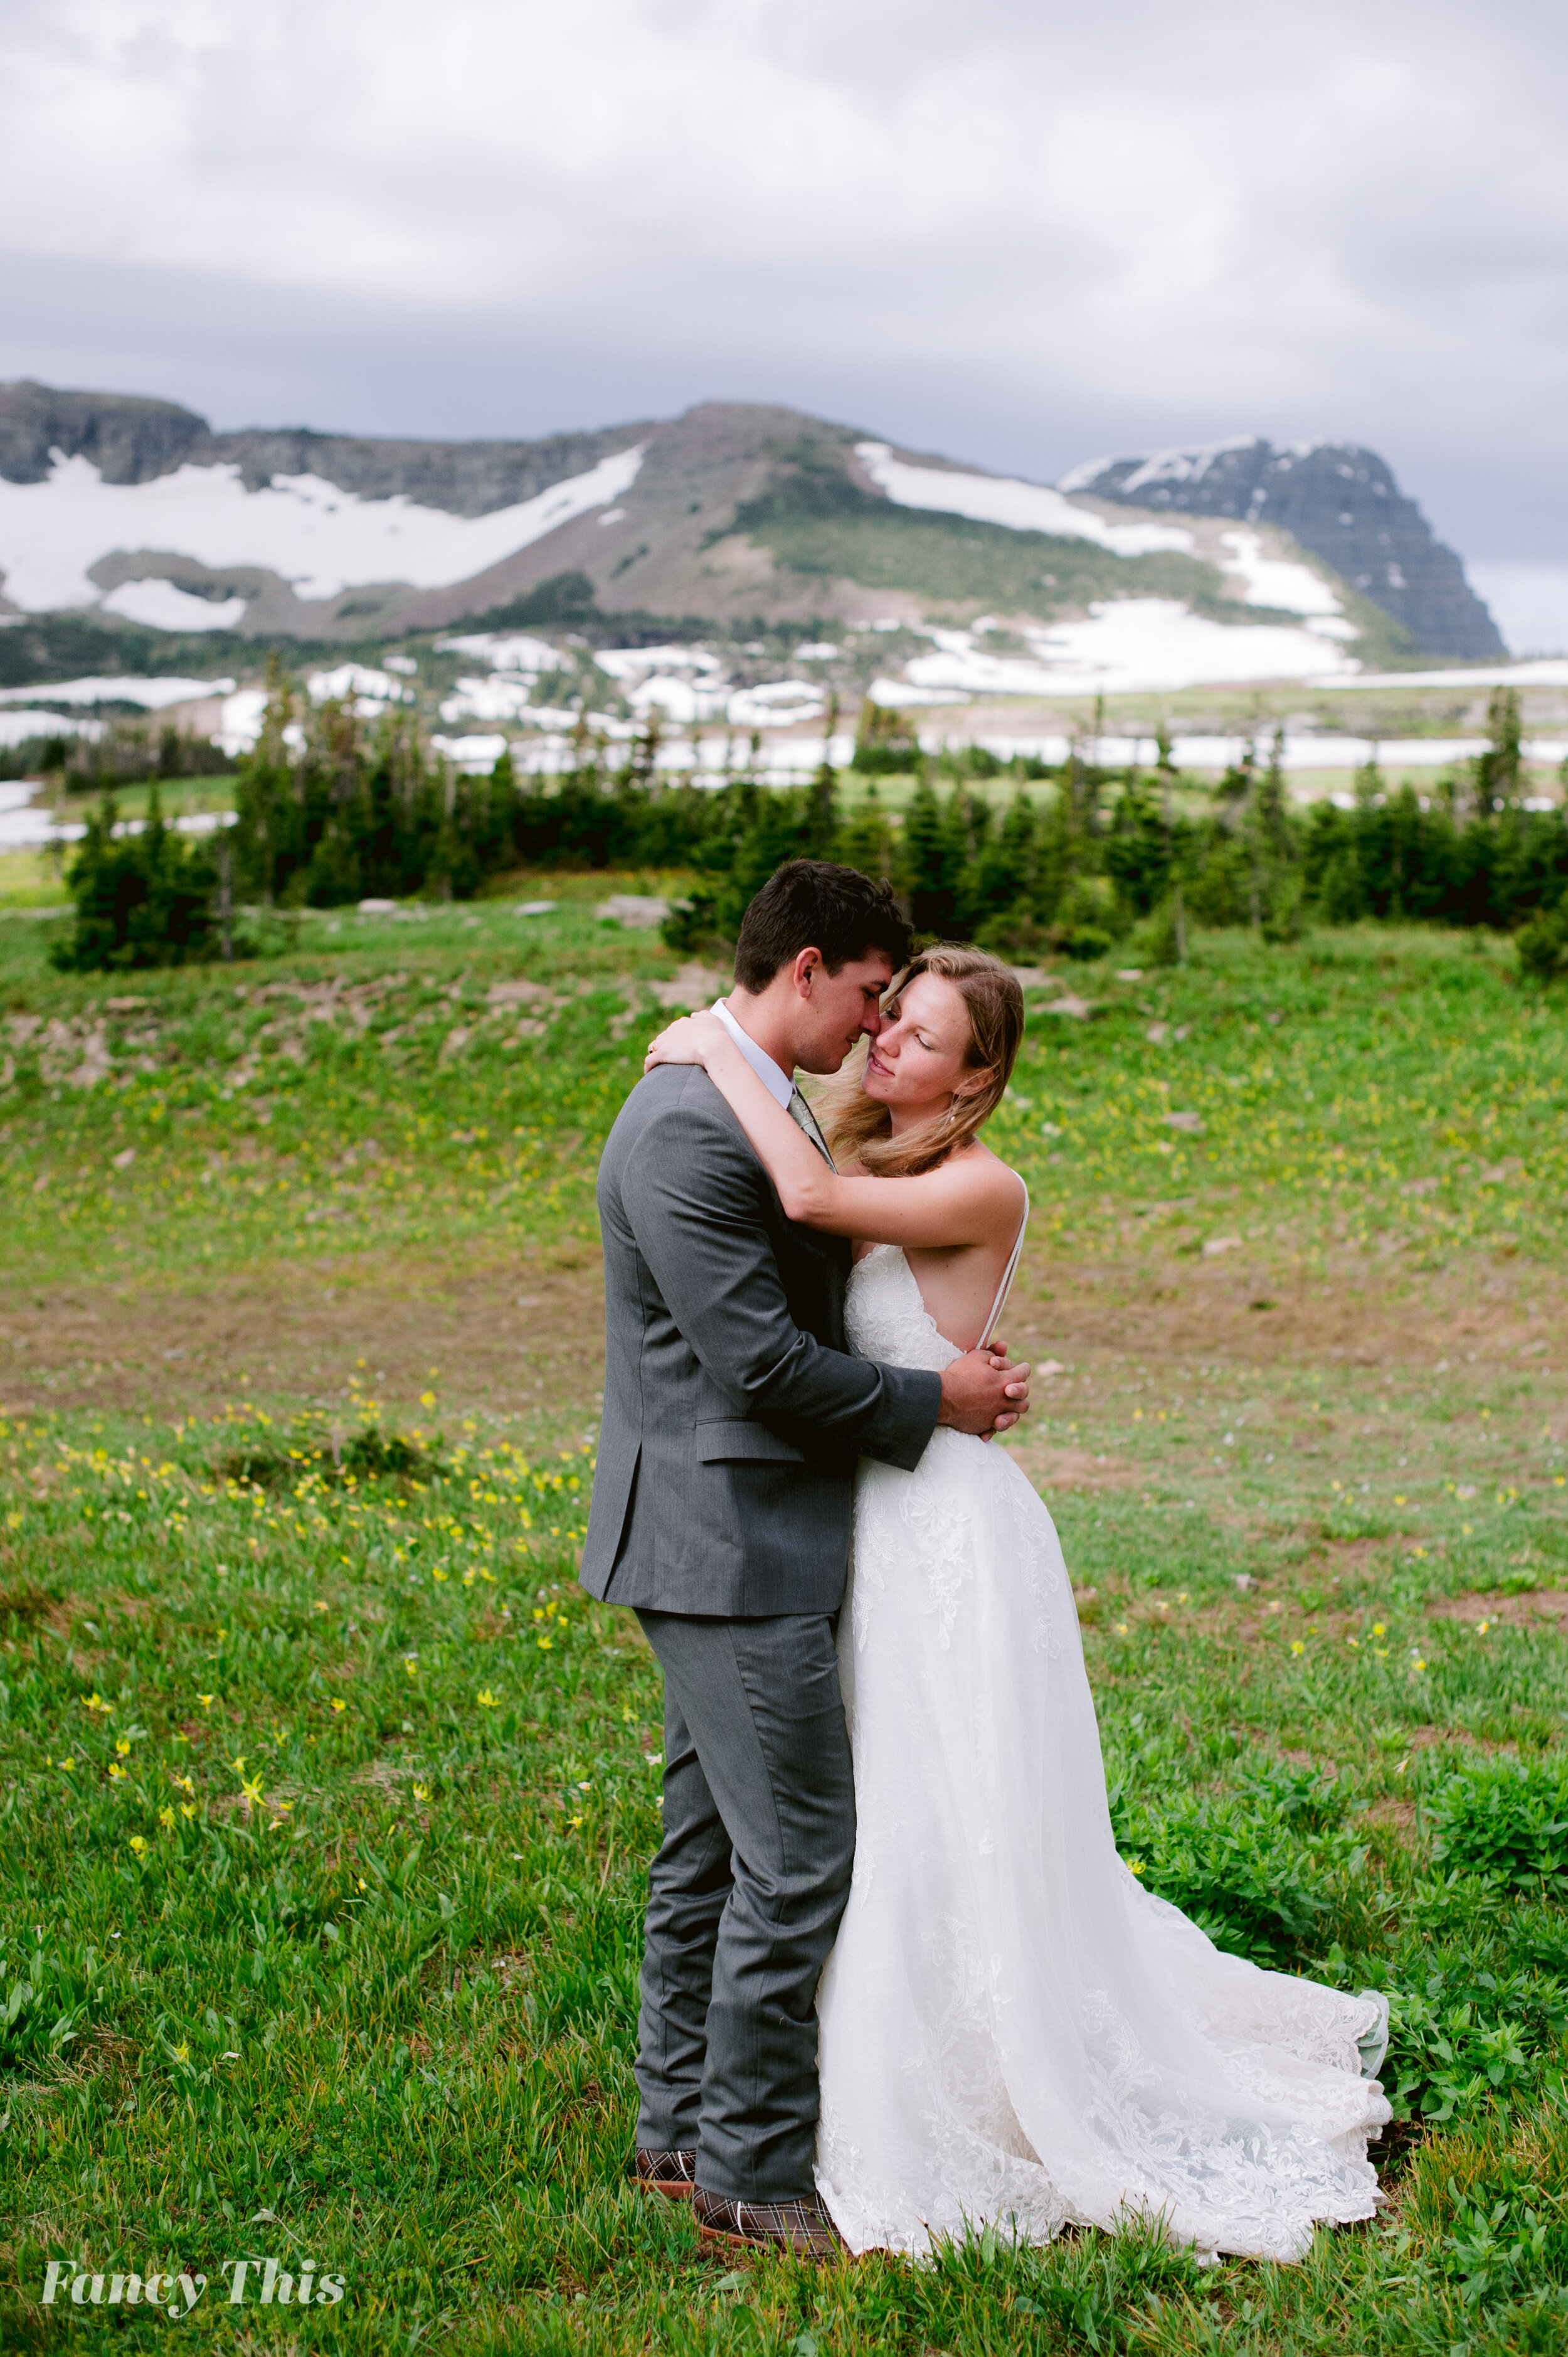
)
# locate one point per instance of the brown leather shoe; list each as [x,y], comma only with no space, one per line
[673,2174]
[802,2227]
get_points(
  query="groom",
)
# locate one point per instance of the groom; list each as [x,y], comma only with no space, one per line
[734,1415]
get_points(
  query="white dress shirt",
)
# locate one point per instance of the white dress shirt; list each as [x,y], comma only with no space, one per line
[776,1081]
[780,1087]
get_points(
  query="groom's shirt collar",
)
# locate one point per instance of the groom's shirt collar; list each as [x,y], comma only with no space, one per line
[777,1083]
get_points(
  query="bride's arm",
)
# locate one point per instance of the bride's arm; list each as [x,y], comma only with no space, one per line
[968,1201]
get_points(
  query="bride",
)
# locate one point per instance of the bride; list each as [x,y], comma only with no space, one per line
[1013,2030]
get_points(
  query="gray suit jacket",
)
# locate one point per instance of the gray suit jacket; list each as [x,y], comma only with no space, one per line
[732,1412]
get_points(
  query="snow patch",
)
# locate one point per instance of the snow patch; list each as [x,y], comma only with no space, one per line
[631,662]
[1128,645]
[1187,466]
[1274,581]
[776,704]
[312,533]
[895,694]
[471,754]
[165,606]
[486,699]
[152,694]
[999,499]
[1550,672]
[372,690]
[503,651]
[240,722]
[15,727]
[680,700]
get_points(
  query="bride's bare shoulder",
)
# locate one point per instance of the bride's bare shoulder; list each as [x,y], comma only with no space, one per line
[997,1175]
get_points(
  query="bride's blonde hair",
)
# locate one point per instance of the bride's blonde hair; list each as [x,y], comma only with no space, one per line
[856,1126]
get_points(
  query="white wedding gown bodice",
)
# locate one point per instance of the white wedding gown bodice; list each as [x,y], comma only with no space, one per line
[1013,2030]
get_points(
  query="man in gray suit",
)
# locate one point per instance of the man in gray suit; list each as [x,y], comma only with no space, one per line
[734,1415]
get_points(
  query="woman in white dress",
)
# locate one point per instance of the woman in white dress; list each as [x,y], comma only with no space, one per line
[1013,2031]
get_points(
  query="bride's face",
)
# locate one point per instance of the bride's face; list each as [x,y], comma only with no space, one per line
[917,1058]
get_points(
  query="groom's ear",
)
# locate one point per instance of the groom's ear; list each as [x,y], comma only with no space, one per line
[805,964]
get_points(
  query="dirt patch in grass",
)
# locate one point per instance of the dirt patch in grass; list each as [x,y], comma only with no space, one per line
[26,1604]
[1359,1314]
[508,1336]
[1074,1469]
[1430,1739]
[1341,1555]
[1520,1611]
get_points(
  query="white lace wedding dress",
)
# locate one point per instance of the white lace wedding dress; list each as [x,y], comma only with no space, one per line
[1014,2030]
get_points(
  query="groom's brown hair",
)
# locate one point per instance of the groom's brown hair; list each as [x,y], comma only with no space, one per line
[810,904]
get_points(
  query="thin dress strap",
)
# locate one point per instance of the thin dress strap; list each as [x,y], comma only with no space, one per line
[1008,1274]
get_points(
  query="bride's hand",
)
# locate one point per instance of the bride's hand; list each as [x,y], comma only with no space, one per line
[690,1040]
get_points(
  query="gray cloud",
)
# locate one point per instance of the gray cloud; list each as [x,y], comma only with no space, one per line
[1017,234]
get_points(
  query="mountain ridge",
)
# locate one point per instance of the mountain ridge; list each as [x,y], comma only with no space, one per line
[137,510]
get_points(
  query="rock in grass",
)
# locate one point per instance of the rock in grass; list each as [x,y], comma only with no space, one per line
[632,909]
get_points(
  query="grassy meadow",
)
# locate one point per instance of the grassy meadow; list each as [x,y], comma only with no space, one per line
[326,1794]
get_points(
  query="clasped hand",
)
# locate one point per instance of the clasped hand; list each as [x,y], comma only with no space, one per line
[984,1393]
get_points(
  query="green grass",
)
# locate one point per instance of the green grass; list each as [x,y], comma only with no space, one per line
[326,1793]
[30,879]
[175,795]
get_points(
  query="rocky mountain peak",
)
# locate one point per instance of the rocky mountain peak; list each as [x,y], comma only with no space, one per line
[1337,500]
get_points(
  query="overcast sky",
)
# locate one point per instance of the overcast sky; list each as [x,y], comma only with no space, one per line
[1013,230]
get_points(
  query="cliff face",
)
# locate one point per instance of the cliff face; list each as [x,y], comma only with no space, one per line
[1341,502]
[132,440]
[128,439]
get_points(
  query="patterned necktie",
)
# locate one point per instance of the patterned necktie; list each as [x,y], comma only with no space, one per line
[802,1116]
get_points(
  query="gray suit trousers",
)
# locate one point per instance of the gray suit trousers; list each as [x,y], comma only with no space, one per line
[744,1895]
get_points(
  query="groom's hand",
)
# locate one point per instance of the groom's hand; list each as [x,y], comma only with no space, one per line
[983,1393]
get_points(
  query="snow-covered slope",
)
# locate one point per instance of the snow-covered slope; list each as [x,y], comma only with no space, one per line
[321,539]
[1002,499]
[1136,644]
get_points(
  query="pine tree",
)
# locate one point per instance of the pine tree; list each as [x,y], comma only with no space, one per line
[866,839]
[1498,772]
[1000,887]
[821,827]
[934,855]
[142,899]
[920,859]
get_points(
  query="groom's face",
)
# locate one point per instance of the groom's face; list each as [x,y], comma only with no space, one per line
[834,1011]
